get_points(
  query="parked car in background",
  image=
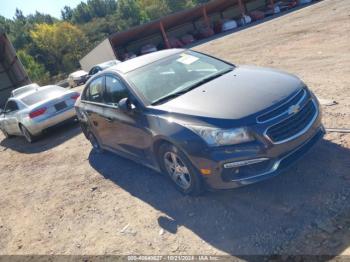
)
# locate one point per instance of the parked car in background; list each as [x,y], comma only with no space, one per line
[24,89]
[63,83]
[201,120]
[102,66]
[77,78]
[30,113]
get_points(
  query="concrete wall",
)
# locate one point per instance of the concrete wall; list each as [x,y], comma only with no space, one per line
[101,53]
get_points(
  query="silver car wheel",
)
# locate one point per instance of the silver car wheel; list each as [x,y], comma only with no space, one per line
[177,170]
[26,134]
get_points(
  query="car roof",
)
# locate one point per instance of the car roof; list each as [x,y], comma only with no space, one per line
[21,96]
[79,72]
[140,61]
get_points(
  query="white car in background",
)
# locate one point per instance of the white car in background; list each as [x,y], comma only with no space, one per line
[100,67]
[32,112]
[24,89]
[77,78]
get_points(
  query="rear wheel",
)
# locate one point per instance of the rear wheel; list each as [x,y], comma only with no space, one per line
[180,170]
[94,142]
[27,135]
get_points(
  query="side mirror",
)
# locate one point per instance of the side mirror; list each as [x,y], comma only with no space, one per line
[125,105]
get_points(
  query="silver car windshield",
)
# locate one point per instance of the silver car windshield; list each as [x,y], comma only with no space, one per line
[175,74]
[42,95]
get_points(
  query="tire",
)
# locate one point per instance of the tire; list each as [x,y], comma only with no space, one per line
[95,144]
[27,135]
[180,170]
[6,135]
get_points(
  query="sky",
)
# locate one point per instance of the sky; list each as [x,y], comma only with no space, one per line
[52,7]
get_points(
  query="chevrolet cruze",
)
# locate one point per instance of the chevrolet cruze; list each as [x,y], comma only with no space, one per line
[202,121]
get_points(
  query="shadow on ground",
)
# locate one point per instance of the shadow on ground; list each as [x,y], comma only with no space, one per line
[304,211]
[50,139]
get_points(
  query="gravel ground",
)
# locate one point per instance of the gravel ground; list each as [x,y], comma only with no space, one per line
[59,197]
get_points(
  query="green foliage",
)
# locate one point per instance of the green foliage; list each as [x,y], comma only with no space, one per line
[62,42]
[86,12]
[67,13]
[36,71]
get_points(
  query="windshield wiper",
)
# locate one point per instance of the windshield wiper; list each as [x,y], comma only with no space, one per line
[168,97]
[195,85]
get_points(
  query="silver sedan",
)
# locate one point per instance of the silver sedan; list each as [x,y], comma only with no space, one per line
[31,113]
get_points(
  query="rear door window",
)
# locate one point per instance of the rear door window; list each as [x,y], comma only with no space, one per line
[115,90]
[11,106]
[95,90]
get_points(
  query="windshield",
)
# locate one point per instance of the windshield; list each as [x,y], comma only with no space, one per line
[43,94]
[175,74]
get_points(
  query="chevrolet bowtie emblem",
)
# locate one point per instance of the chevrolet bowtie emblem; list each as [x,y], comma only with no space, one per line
[293,109]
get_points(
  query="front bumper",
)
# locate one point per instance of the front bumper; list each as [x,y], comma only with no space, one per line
[258,160]
[230,177]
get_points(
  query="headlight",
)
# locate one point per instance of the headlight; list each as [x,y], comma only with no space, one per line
[221,137]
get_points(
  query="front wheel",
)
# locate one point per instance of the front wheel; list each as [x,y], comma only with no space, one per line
[94,142]
[180,170]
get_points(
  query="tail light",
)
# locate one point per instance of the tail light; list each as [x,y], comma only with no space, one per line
[75,96]
[37,113]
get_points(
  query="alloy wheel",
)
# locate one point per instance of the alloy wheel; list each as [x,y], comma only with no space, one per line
[26,134]
[177,170]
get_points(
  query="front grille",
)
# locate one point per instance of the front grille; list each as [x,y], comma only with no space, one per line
[292,125]
[283,108]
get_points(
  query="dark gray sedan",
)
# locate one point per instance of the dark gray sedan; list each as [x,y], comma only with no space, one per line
[203,121]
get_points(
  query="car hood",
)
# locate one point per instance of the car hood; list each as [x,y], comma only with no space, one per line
[243,92]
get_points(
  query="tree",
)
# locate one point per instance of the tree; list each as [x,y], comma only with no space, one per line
[154,9]
[39,18]
[179,5]
[19,15]
[5,24]
[128,14]
[67,13]
[85,12]
[35,70]
[81,14]
[62,43]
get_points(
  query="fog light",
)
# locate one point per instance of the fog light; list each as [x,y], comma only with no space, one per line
[206,172]
[244,162]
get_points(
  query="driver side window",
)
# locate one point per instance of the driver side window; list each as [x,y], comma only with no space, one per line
[115,90]
[11,106]
[95,90]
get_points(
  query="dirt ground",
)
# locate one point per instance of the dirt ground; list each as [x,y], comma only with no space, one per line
[58,197]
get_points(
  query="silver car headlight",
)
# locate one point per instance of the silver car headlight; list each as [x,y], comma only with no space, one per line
[221,137]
